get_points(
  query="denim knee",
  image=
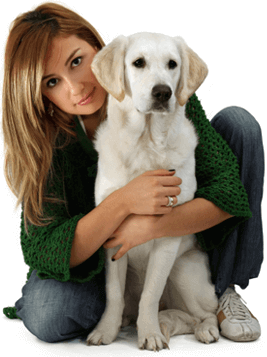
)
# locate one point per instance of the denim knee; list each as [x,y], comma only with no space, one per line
[239,122]
[43,321]
[242,132]
[55,311]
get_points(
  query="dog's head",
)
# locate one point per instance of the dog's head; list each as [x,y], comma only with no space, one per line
[155,70]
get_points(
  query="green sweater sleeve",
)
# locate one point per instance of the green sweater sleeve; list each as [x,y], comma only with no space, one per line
[47,249]
[217,173]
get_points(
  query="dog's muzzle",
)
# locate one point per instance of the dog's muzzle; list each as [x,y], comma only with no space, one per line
[161,94]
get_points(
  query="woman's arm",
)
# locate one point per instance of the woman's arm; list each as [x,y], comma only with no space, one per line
[191,217]
[94,228]
[146,194]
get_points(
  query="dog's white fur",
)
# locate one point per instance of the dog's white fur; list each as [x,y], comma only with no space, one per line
[142,134]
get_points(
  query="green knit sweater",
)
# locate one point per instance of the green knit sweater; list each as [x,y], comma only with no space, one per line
[48,249]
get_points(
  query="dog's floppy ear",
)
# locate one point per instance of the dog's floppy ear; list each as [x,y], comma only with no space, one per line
[108,67]
[193,72]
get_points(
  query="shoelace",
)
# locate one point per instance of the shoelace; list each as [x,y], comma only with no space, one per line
[234,308]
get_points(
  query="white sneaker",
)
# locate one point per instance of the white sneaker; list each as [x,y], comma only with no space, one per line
[236,322]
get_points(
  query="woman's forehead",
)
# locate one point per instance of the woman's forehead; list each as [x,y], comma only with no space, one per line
[62,47]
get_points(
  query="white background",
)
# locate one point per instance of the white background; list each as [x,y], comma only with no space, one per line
[230,36]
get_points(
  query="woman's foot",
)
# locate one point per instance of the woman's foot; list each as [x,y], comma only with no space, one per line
[236,322]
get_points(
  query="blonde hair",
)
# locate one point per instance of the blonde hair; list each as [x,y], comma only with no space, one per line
[30,133]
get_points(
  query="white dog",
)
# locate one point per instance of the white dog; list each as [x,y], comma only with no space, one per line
[150,78]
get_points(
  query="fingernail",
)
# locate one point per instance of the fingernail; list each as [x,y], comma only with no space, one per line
[113,259]
[171,170]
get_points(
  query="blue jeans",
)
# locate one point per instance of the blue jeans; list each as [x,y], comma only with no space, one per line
[240,257]
[55,311]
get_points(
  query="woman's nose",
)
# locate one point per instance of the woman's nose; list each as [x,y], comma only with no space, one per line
[75,87]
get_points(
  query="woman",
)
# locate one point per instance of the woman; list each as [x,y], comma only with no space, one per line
[52,107]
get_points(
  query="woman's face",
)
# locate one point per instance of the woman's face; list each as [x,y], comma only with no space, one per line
[68,80]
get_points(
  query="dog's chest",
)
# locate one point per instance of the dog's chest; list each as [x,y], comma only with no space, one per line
[147,156]
[127,151]
[152,152]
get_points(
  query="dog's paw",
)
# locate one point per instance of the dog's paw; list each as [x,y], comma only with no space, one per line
[165,330]
[101,337]
[152,341]
[207,333]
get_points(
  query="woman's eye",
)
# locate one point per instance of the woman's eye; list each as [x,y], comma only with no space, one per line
[52,82]
[76,62]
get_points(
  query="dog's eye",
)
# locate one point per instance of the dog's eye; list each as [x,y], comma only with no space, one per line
[172,64]
[139,63]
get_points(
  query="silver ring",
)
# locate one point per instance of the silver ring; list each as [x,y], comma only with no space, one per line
[170,203]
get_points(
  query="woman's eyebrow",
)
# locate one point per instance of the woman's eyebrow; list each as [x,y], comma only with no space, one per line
[66,63]
[71,55]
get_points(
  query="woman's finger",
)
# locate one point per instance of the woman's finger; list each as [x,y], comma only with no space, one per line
[171,191]
[111,243]
[166,177]
[168,181]
[160,172]
[166,201]
[120,253]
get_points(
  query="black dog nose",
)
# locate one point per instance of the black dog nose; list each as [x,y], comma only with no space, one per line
[161,93]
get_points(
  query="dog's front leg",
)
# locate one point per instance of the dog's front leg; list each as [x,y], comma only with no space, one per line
[108,327]
[161,260]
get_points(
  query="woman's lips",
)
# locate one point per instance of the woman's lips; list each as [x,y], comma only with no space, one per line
[86,100]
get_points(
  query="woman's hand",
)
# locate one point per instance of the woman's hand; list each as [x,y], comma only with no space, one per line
[134,230]
[147,193]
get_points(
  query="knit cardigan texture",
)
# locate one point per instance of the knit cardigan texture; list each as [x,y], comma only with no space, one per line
[47,249]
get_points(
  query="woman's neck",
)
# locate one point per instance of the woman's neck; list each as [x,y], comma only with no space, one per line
[91,123]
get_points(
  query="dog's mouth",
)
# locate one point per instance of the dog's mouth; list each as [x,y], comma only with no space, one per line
[155,110]
[160,107]
[156,107]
